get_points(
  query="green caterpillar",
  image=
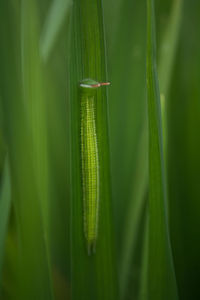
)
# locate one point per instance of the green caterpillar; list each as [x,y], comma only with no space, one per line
[89,161]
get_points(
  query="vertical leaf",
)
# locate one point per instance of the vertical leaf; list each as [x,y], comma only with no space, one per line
[93,277]
[5,204]
[35,120]
[135,213]
[126,102]
[161,277]
[166,63]
[33,276]
[168,47]
[56,17]
[184,159]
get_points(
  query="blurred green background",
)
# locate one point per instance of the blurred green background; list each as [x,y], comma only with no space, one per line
[35,248]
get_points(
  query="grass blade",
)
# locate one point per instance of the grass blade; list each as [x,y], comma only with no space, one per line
[93,277]
[183,155]
[34,99]
[168,48]
[167,56]
[143,286]
[33,276]
[127,106]
[56,17]
[5,204]
[35,110]
[135,213]
[126,103]
[161,277]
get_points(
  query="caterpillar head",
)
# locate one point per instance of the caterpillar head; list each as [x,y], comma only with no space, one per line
[89,86]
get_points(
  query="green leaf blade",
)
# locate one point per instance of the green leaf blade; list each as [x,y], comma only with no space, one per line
[94,276]
[161,277]
[56,17]
[5,205]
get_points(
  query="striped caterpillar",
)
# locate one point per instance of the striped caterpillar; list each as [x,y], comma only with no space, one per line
[89,160]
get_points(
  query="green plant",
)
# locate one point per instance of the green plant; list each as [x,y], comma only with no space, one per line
[146,133]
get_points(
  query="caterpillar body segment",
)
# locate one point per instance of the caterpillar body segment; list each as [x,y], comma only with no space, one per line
[89,161]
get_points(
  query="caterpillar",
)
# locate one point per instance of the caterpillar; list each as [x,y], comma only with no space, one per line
[89,160]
